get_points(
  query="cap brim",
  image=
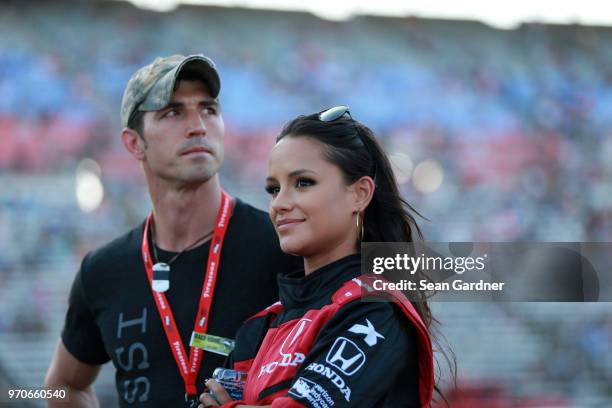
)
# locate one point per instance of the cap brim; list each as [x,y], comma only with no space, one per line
[197,66]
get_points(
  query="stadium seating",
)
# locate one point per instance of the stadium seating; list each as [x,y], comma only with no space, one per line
[519,121]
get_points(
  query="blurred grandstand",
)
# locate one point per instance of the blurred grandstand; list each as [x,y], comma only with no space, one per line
[496,135]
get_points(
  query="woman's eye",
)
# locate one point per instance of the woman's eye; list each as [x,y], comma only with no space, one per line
[301,183]
[272,190]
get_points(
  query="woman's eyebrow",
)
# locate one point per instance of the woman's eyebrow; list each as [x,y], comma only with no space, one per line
[300,172]
[294,173]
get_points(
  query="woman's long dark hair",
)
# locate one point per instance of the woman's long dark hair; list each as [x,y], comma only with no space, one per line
[388,218]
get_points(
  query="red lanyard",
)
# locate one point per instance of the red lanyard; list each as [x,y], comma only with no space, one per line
[189,368]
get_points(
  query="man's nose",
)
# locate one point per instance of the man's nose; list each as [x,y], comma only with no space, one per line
[196,124]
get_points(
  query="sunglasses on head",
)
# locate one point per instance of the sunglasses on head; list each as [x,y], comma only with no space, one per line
[342,111]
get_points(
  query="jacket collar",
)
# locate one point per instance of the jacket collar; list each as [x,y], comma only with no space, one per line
[297,290]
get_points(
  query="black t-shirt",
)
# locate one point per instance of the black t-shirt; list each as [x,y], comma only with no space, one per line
[112,314]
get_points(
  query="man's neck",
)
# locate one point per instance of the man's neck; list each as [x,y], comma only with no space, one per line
[184,214]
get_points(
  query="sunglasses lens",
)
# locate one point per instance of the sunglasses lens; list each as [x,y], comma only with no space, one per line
[334,113]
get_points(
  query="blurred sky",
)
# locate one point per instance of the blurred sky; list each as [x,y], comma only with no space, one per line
[499,14]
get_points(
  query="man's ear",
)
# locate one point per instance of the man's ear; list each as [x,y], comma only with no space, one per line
[363,190]
[134,143]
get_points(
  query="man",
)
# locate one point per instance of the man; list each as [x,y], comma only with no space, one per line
[138,300]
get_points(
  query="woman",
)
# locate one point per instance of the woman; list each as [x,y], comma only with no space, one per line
[331,187]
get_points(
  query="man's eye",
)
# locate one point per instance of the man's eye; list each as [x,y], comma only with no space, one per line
[210,110]
[170,114]
[272,190]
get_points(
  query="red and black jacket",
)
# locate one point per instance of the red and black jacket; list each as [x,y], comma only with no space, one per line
[321,346]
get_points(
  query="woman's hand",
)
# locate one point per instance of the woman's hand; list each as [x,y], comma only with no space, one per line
[218,396]
[215,396]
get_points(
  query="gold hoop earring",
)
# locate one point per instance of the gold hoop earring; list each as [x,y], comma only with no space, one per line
[359,228]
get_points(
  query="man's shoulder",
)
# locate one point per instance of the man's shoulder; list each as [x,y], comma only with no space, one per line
[253,234]
[119,249]
[249,216]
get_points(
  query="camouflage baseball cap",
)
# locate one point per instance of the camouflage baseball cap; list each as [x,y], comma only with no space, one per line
[151,87]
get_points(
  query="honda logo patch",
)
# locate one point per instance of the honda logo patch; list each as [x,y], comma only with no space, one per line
[345,356]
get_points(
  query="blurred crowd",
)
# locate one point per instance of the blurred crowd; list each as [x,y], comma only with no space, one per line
[516,119]
[517,122]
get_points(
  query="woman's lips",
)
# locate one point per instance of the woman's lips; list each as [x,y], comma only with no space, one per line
[285,224]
